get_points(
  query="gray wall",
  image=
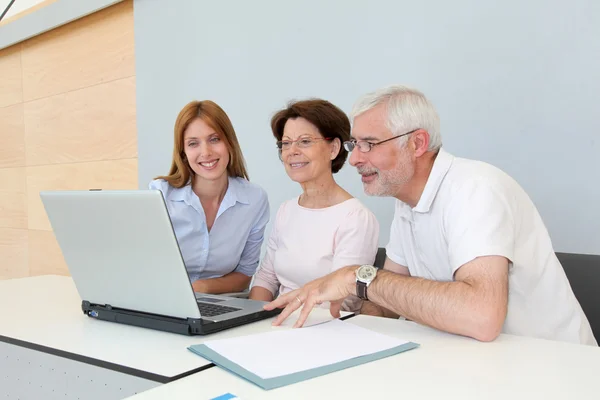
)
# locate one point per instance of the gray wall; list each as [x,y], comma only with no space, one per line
[516,84]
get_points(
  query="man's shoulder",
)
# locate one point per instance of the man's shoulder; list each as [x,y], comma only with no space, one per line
[466,174]
[472,187]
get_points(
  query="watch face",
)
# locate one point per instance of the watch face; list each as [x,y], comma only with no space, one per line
[366,273]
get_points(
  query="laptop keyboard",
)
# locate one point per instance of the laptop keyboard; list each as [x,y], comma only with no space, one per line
[212,310]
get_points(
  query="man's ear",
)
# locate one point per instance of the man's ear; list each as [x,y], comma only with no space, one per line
[420,142]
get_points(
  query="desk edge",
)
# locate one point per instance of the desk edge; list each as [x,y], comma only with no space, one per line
[101,363]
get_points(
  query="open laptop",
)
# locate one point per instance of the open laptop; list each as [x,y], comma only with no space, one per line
[124,259]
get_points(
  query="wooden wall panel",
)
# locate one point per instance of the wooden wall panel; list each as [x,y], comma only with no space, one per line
[67,122]
[90,124]
[12,136]
[11,83]
[13,201]
[13,253]
[45,256]
[115,174]
[92,50]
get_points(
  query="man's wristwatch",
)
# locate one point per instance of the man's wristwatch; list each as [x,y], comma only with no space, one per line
[365,274]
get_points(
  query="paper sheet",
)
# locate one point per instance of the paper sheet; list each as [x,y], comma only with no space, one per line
[316,317]
[283,352]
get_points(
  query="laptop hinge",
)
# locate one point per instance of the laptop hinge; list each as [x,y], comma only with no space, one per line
[86,305]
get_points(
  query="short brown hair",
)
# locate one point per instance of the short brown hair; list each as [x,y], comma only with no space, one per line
[330,120]
[216,118]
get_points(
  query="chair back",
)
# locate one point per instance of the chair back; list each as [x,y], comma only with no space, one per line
[583,272]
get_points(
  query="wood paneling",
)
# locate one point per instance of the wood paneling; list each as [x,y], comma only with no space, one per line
[92,50]
[13,201]
[115,174]
[13,253]
[12,136]
[45,256]
[26,11]
[67,122]
[11,83]
[90,124]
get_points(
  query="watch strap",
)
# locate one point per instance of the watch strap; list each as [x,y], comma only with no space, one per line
[361,290]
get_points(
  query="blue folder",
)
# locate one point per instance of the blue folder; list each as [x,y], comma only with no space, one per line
[284,380]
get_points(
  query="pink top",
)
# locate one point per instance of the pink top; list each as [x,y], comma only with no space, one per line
[306,244]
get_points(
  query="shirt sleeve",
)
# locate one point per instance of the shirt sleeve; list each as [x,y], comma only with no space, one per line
[251,253]
[356,243]
[479,222]
[158,184]
[394,250]
[155,184]
[266,276]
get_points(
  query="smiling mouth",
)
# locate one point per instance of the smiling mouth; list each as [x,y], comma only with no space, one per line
[298,165]
[368,177]
[209,165]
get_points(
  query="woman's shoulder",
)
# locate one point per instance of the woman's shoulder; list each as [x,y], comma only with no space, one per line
[358,218]
[169,191]
[287,208]
[159,184]
[354,207]
[253,191]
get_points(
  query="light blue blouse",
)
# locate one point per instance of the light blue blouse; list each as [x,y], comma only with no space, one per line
[235,239]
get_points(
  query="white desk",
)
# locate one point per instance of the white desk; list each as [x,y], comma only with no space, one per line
[444,367]
[44,314]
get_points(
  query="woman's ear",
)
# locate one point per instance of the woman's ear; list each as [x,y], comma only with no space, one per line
[336,145]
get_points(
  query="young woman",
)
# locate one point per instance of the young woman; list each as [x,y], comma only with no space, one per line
[219,217]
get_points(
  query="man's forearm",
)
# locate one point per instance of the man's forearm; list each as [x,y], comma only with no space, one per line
[455,307]
[370,308]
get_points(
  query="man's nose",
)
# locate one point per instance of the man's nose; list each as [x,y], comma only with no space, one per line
[356,157]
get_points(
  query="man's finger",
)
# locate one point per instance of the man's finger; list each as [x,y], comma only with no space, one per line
[335,307]
[289,309]
[309,304]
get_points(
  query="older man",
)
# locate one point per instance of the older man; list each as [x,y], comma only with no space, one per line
[468,252]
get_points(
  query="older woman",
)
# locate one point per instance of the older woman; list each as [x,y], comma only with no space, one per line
[324,228]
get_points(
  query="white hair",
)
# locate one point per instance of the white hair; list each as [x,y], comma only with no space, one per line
[407,109]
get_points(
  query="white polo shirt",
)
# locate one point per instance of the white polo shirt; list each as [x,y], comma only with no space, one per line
[470,209]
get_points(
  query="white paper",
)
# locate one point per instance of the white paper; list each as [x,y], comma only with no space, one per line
[283,352]
[316,317]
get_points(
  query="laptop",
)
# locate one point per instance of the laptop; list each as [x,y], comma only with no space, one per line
[123,256]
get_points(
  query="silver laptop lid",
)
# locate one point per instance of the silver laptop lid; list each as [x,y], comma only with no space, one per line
[121,250]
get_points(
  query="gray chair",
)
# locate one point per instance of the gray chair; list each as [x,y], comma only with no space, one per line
[583,272]
[380,258]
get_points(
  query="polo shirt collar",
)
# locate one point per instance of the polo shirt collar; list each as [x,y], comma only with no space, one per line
[441,166]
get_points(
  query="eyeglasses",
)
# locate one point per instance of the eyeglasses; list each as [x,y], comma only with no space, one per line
[365,146]
[302,143]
